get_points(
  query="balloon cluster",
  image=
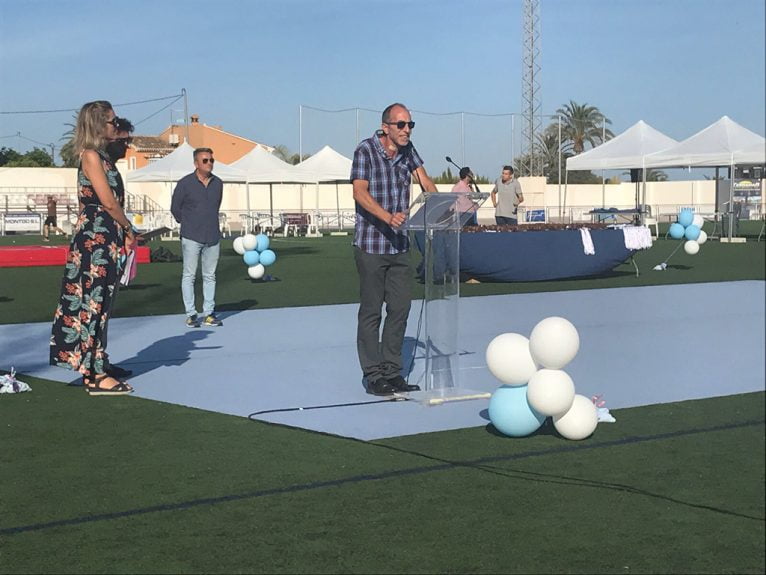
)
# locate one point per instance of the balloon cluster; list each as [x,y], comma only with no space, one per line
[689,226]
[256,253]
[535,385]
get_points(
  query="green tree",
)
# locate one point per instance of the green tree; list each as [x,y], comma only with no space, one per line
[69,155]
[35,158]
[547,149]
[582,123]
[281,152]
[8,155]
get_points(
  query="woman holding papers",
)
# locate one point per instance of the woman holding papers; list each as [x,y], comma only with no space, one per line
[101,237]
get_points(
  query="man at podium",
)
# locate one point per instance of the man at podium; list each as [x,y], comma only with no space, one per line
[381,175]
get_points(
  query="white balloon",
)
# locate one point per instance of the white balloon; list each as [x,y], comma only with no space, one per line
[238,247]
[702,237]
[691,247]
[698,221]
[249,241]
[551,391]
[579,421]
[554,342]
[256,272]
[509,360]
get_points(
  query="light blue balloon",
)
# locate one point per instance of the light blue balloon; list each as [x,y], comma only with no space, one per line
[686,217]
[676,231]
[251,258]
[692,232]
[262,242]
[268,257]
[510,412]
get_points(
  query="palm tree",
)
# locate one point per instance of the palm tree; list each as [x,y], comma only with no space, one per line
[281,152]
[583,123]
[67,152]
[547,149]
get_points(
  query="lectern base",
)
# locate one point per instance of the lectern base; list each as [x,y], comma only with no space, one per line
[439,396]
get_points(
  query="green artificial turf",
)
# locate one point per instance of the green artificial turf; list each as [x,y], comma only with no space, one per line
[126,485]
[320,271]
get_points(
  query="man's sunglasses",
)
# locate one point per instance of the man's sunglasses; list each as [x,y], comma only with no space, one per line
[125,141]
[400,124]
[206,160]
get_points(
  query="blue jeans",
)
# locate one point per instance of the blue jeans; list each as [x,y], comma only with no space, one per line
[192,253]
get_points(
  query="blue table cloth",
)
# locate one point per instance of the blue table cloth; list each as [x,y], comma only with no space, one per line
[536,255]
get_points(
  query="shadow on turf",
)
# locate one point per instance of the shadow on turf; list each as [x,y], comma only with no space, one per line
[4,299]
[169,351]
[483,464]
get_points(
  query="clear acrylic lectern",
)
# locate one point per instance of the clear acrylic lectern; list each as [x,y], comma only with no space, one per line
[436,220]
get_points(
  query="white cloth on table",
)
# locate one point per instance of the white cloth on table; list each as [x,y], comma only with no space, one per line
[637,237]
[587,242]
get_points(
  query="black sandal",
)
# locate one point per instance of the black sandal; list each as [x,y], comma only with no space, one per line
[94,387]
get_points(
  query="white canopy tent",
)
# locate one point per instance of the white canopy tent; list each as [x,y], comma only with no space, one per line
[624,151]
[717,145]
[262,167]
[722,143]
[326,166]
[178,164]
[755,154]
[627,150]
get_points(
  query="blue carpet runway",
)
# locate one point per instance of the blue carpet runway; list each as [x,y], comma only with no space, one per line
[638,346]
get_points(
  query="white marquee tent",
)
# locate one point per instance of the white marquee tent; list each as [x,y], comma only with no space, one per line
[178,164]
[326,166]
[755,154]
[627,150]
[717,145]
[262,167]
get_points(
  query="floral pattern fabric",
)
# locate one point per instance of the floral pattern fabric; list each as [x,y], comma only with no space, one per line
[92,271]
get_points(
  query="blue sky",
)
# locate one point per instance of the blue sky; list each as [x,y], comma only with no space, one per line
[248,65]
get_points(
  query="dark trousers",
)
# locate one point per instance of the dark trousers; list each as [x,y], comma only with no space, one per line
[383,279]
[105,331]
[506,221]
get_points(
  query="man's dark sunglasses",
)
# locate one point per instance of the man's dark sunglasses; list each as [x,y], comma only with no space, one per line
[206,160]
[125,141]
[400,124]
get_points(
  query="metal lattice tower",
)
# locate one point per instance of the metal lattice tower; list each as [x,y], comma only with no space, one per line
[531,124]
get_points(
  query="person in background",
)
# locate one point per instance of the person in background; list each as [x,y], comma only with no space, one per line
[506,197]
[195,205]
[464,187]
[50,220]
[381,175]
[93,265]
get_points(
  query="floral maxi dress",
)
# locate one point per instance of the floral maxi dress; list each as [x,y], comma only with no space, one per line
[92,270]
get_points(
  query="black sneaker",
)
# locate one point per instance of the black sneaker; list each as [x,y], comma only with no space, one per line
[400,385]
[212,321]
[379,387]
[118,372]
[192,321]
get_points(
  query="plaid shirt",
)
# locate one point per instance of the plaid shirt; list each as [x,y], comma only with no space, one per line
[389,185]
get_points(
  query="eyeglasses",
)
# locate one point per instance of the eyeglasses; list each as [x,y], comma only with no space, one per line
[114,122]
[206,160]
[125,141]
[401,123]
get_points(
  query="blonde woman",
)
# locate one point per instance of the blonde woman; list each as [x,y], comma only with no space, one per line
[100,237]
